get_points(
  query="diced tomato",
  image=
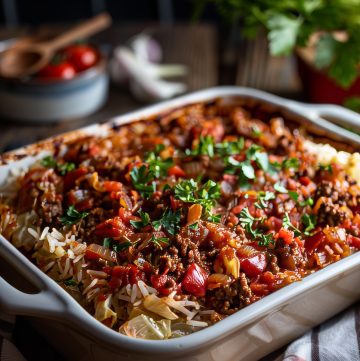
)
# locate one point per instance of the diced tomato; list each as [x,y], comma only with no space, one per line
[194,281]
[164,284]
[353,241]
[305,181]
[253,266]
[274,223]
[259,289]
[102,297]
[113,227]
[124,275]
[314,241]
[176,171]
[112,186]
[126,216]
[175,203]
[71,177]
[267,277]
[286,235]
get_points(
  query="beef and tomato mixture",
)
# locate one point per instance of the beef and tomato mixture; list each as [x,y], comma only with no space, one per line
[167,225]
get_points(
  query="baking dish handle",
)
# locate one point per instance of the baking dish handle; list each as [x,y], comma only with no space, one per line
[15,302]
[335,113]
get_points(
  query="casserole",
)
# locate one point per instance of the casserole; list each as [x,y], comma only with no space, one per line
[256,331]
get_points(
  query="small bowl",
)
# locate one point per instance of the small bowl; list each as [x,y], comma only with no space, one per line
[49,100]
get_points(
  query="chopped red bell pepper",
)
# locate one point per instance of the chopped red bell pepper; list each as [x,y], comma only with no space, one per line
[124,275]
[286,235]
[314,241]
[113,227]
[176,171]
[194,281]
[353,241]
[164,284]
[112,186]
[71,177]
[253,266]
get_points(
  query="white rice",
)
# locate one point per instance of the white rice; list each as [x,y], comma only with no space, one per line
[97,274]
[48,266]
[91,285]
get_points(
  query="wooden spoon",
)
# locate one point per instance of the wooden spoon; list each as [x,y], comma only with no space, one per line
[25,59]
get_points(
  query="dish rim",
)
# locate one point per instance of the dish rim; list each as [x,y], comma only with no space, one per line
[78,318]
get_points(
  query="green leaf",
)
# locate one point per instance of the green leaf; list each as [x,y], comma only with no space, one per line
[291,163]
[156,165]
[294,195]
[214,218]
[325,51]
[72,216]
[205,146]
[50,162]
[122,246]
[141,177]
[145,220]
[263,199]
[159,241]
[280,188]
[283,33]
[194,226]
[309,221]
[107,242]
[307,202]
[353,103]
[70,282]
[288,225]
[170,222]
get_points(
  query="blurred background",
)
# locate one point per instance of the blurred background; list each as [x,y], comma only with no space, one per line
[156,49]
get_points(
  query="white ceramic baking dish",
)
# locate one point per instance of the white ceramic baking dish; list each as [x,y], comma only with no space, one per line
[247,335]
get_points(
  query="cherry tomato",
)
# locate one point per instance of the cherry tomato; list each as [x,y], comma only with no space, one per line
[63,70]
[194,281]
[254,266]
[82,57]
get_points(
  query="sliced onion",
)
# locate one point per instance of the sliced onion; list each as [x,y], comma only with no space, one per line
[158,306]
[94,251]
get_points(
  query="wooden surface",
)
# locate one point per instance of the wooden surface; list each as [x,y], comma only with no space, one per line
[194,46]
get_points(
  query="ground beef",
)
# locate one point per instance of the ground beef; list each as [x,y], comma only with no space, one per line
[229,299]
[330,214]
[289,255]
[329,190]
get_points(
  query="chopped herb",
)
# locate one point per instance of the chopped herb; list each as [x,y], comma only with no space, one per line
[145,220]
[158,166]
[266,239]
[280,188]
[294,195]
[307,202]
[263,198]
[159,241]
[291,163]
[170,222]
[255,131]
[107,242]
[70,282]
[72,216]
[230,148]
[122,246]
[50,162]
[188,191]
[247,222]
[215,218]
[286,223]
[205,146]
[309,221]
[141,177]
[194,226]
[327,167]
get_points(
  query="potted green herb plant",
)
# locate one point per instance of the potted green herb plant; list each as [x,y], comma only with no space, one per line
[324,34]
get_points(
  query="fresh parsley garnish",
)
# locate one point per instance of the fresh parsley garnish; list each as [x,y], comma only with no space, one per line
[291,163]
[227,148]
[72,216]
[247,221]
[214,218]
[194,226]
[63,168]
[205,146]
[280,188]
[286,223]
[159,242]
[255,131]
[309,221]
[145,220]
[170,222]
[294,195]
[116,245]
[188,191]
[143,180]
[263,199]
[307,202]
[327,167]
[158,166]
[70,282]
